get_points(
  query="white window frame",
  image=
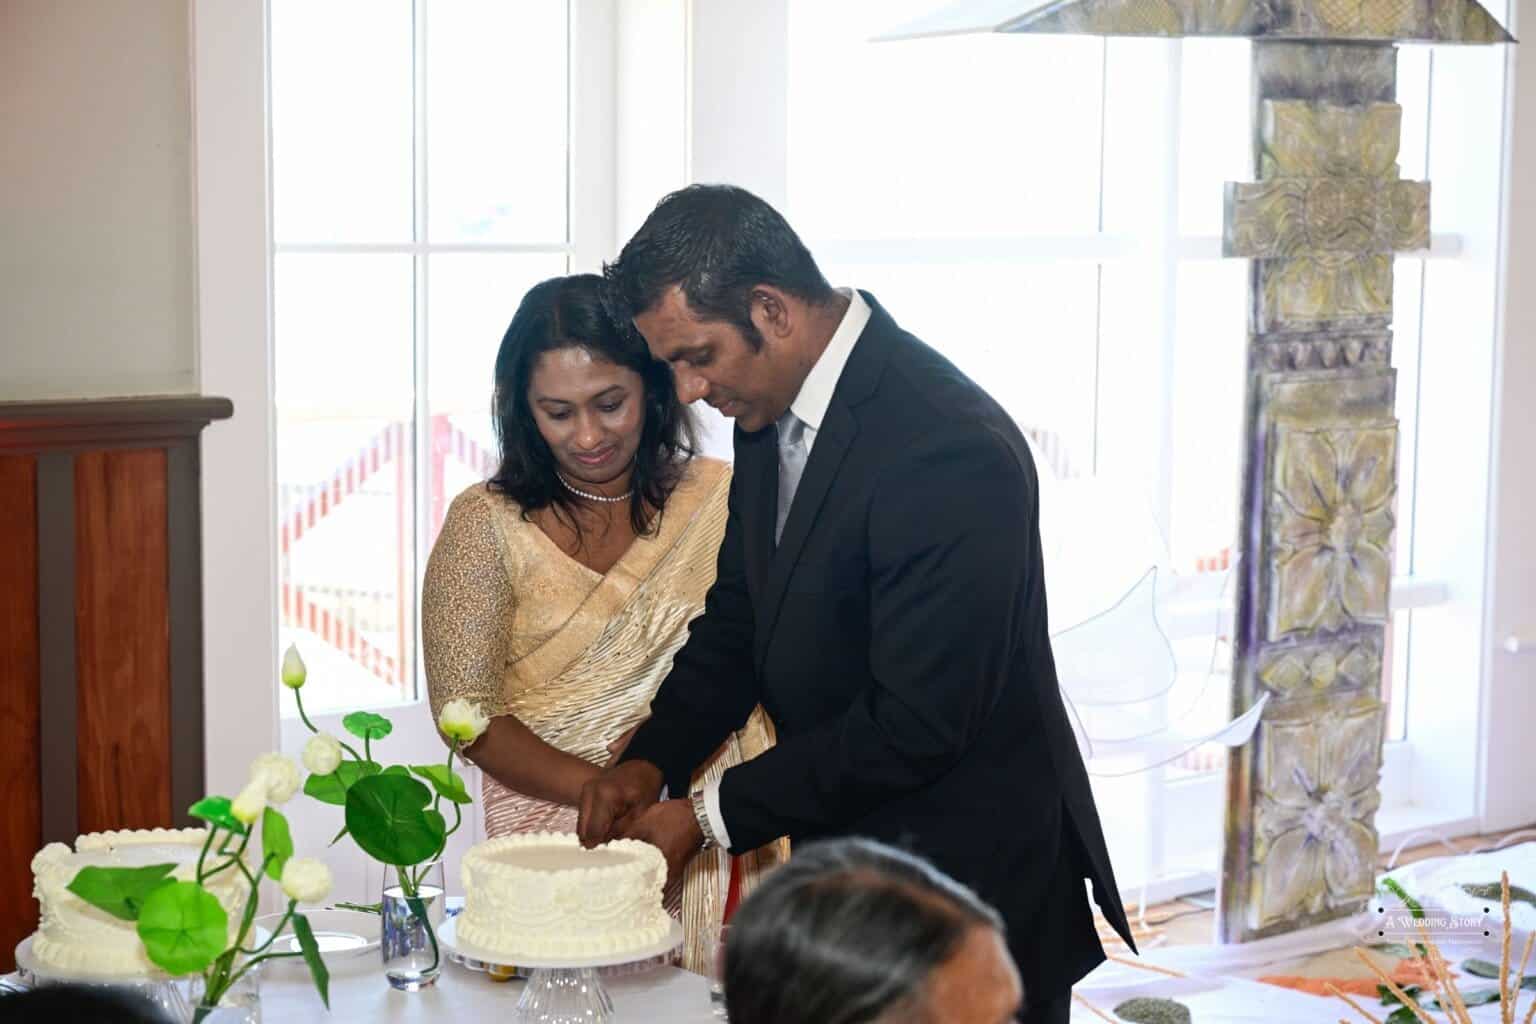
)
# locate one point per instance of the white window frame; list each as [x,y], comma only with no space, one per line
[229,61]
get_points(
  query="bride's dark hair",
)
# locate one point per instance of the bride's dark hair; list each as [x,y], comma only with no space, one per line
[570,312]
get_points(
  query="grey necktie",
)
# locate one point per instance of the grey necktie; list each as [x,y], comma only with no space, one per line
[792,456]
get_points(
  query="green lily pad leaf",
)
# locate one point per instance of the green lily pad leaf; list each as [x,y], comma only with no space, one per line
[121,892]
[1143,1010]
[339,836]
[388,817]
[448,783]
[366,725]
[332,788]
[1481,968]
[183,927]
[1476,997]
[276,842]
[215,810]
[311,950]
[1494,891]
[397,769]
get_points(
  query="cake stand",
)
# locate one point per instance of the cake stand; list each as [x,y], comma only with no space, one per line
[566,990]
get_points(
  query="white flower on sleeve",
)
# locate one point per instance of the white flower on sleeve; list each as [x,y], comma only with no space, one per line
[322,754]
[306,879]
[462,721]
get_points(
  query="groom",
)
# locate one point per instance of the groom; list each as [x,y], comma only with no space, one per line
[879,591]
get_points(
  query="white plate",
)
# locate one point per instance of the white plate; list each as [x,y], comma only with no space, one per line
[447,932]
[338,933]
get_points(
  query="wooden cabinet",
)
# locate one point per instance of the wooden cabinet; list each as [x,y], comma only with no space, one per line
[101,663]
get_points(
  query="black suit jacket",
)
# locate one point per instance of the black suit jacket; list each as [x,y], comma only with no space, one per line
[897,636]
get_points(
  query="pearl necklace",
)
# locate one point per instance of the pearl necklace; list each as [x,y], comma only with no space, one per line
[602,498]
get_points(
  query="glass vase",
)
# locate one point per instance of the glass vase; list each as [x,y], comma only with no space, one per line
[240,1003]
[411,911]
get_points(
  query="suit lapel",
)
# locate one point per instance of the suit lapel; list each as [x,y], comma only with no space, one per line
[832,443]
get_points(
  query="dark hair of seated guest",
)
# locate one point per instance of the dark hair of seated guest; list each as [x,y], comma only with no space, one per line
[850,931]
[79,1004]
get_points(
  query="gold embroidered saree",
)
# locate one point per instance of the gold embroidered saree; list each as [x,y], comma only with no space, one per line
[513,623]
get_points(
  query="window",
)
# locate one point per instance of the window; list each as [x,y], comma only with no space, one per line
[421,165]
[1047,211]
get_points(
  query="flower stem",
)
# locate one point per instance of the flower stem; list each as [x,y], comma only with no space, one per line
[288,916]
[204,854]
[298,698]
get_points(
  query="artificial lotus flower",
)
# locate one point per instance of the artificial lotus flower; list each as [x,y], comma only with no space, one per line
[322,754]
[294,671]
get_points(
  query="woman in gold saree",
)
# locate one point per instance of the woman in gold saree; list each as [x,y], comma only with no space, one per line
[558,592]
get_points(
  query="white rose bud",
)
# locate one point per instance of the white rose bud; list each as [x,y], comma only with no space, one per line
[279,774]
[251,802]
[322,754]
[294,672]
[462,721]
[306,879]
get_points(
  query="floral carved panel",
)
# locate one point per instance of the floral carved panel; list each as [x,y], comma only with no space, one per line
[1316,843]
[1330,527]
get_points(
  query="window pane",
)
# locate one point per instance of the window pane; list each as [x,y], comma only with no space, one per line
[1137,88]
[1207,411]
[968,135]
[1215,137]
[341,121]
[497,114]
[1024,332]
[1413,67]
[344,471]
[472,299]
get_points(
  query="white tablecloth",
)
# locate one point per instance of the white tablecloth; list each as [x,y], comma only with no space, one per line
[360,994]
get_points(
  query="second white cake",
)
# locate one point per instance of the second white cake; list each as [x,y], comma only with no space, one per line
[541,896]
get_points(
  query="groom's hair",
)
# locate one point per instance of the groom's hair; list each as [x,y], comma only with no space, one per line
[716,242]
[848,931]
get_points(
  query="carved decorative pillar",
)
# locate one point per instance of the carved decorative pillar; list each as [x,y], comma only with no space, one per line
[1319,476]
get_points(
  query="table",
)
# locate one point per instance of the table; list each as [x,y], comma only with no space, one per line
[359,993]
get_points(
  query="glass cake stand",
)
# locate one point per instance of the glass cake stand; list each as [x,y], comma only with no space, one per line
[567,991]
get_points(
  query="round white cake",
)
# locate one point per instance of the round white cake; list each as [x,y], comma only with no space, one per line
[74,936]
[541,896]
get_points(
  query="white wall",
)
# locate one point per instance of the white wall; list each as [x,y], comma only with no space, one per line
[1510,711]
[96,272]
[234,284]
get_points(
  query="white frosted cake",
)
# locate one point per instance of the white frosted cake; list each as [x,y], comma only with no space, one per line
[74,936]
[541,896]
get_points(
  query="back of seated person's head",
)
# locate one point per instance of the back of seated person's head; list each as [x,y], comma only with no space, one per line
[853,932]
[79,1004]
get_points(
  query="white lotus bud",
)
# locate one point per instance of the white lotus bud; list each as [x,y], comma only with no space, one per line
[294,672]
[322,754]
[306,879]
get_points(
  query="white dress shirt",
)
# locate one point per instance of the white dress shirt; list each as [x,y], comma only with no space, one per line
[810,405]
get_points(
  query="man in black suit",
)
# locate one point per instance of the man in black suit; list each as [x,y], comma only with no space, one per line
[879,592]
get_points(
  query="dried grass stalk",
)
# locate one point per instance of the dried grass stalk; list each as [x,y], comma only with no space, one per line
[1392,986]
[1094,1009]
[1353,1005]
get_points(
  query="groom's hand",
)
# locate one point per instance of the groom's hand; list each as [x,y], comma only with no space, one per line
[614,798]
[671,827]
